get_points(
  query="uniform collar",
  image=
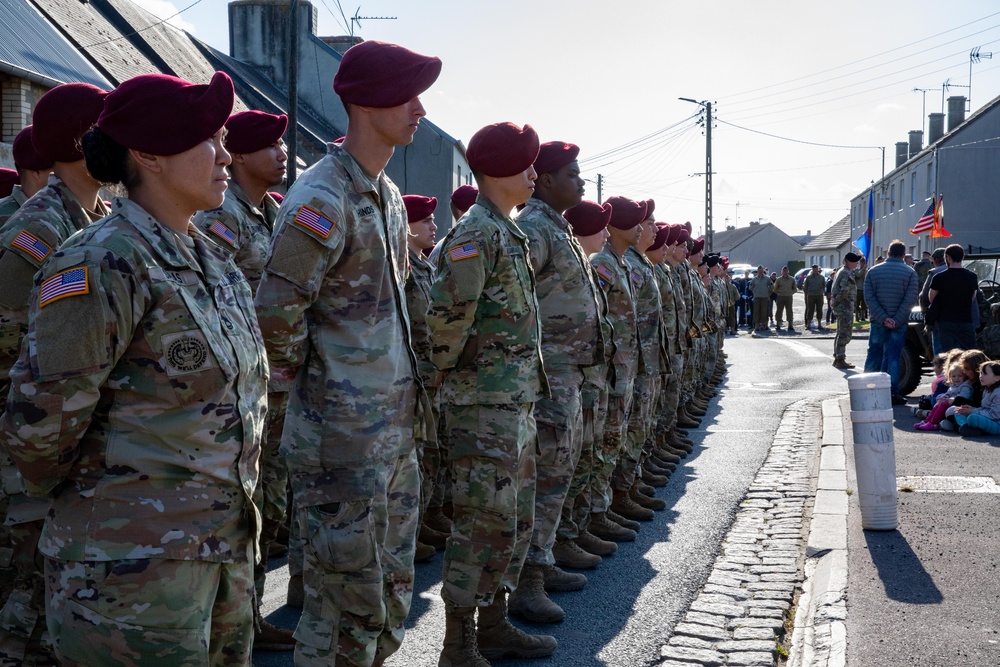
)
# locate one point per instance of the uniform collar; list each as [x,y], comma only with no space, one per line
[161,239]
[494,212]
[555,216]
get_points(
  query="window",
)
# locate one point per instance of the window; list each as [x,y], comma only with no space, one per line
[930,180]
[913,189]
[892,197]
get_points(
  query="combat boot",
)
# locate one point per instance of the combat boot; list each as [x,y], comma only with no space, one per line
[423,552]
[296,593]
[651,467]
[269,637]
[842,363]
[460,645]
[435,538]
[435,518]
[648,502]
[593,544]
[622,521]
[685,419]
[604,528]
[644,489]
[529,600]
[624,505]
[696,409]
[568,554]
[659,481]
[498,639]
[664,453]
[678,441]
[557,580]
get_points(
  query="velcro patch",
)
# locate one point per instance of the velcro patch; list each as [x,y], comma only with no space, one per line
[636,278]
[314,221]
[223,233]
[32,245]
[72,282]
[604,272]
[466,251]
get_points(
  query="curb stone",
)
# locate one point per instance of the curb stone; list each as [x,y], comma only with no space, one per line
[737,617]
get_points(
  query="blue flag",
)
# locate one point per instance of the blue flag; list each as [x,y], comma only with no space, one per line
[864,242]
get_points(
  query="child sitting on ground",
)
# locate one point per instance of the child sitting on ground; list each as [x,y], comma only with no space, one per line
[970,361]
[959,384]
[938,386]
[986,418]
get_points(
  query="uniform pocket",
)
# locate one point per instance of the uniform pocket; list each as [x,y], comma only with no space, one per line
[342,534]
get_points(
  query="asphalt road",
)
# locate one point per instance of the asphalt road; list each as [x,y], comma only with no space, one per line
[635,598]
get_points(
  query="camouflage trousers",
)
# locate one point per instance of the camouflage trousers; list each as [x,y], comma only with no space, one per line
[24,635]
[608,448]
[638,429]
[576,508]
[560,438]
[845,331]
[271,495]
[427,450]
[441,484]
[136,613]
[358,570]
[668,399]
[492,459]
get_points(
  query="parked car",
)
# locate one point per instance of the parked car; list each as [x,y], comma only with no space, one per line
[918,354]
[801,274]
[741,269]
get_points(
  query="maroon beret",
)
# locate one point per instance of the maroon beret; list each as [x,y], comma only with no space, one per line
[698,246]
[8,179]
[277,196]
[25,155]
[650,205]
[674,233]
[164,115]
[626,213]
[251,131]
[660,240]
[502,149]
[588,218]
[682,235]
[464,197]
[382,75]
[725,261]
[688,226]
[419,207]
[62,116]
[554,155]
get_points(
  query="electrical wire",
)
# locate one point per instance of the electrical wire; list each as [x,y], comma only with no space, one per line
[136,32]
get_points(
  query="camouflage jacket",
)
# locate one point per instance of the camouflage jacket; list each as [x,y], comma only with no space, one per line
[844,292]
[242,229]
[613,278]
[647,309]
[672,333]
[566,289]
[10,203]
[484,315]
[143,419]
[418,300]
[332,308]
[597,379]
[699,297]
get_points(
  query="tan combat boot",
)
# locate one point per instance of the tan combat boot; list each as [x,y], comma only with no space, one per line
[269,637]
[529,600]
[569,554]
[435,518]
[622,504]
[593,544]
[605,529]
[460,645]
[498,639]
[423,552]
[649,502]
[560,581]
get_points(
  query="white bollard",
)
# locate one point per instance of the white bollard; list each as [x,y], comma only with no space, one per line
[874,450]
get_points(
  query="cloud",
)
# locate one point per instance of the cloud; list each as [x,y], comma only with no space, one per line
[889,107]
[162,9]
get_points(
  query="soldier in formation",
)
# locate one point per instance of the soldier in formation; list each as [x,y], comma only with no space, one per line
[535,374]
[843,297]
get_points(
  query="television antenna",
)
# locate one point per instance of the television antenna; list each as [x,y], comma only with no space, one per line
[357,18]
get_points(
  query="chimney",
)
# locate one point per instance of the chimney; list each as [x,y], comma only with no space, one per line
[259,33]
[729,228]
[956,111]
[809,232]
[935,127]
[901,153]
[916,142]
[341,43]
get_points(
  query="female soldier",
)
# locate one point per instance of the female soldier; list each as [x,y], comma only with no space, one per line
[138,400]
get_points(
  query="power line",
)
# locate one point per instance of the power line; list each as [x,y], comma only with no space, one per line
[151,25]
[797,141]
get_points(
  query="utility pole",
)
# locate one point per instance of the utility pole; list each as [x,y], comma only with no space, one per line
[707,106]
[293,91]
[600,189]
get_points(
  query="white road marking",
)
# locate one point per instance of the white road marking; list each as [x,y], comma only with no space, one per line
[804,350]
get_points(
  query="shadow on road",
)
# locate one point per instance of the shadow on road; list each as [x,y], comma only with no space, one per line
[900,569]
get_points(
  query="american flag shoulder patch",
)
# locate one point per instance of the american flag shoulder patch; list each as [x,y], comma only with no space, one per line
[636,278]
[71,282]
[32,245]
[314,221]
[465,251]
[604,272]
[223,233]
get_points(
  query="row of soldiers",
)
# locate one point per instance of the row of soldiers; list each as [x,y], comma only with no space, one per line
[535,374]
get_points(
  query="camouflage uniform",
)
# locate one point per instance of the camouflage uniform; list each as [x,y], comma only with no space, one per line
[244,230]
[615,281]
[843,296]
[418,300]
[333,313]
[142,422]
[647,380]
[486,332]
[571,341]
[30,236]
[671,317]
[10,203]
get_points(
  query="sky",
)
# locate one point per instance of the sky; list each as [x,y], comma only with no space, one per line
[802,93]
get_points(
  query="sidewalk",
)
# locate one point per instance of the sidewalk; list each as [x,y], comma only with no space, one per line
[925,594]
